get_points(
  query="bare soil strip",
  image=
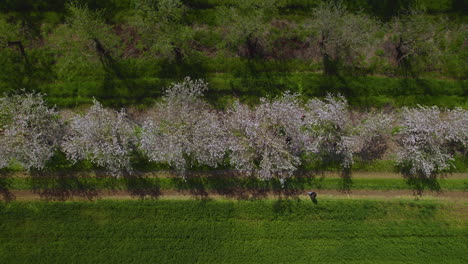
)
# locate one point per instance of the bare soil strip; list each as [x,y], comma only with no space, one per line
[356,175]
[25,195]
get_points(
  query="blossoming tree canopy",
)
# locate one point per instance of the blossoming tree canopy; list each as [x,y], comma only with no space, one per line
[30,131]
[428,139]
[183,130]
[105,137]
[338,136]
[268,140]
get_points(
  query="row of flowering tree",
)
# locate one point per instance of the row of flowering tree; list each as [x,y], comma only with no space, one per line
[271,140]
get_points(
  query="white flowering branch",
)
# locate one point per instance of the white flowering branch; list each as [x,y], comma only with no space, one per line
[104,137]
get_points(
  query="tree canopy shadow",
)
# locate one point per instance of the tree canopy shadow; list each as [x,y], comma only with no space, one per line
[62,185]
[142,187]
[346,181]
[420,183]
[284,206]
[5,183]
[192,183]
[235,185]
[239,187]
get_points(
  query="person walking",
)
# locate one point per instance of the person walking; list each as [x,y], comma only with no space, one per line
[313,196]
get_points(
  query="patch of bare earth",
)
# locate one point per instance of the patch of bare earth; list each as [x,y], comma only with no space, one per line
[356,175]
[455,196]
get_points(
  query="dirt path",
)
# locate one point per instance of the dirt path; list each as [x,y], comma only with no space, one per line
[25,195]
[356,175]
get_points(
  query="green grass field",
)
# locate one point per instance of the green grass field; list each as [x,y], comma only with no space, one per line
[228,231]
[224,183]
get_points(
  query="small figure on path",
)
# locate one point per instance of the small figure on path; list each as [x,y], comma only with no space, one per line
[313,196]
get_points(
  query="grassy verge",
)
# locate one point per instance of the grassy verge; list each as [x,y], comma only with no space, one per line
[233,78]
[363,91]
[219,184]
[260,231]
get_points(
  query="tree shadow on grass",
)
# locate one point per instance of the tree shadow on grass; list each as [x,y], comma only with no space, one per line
[142,187]
[192,184]
[232,184]
[66,185]
[282,206]
[226,183]
[298,185]
[420,183]
[5,183]
[346,182]
[235,185]
[63,186]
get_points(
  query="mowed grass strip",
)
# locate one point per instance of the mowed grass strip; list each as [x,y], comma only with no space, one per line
[222,184]
[227,231]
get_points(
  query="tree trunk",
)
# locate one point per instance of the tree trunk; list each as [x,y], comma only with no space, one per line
[20,46]
[329,64]
[253,48]
[402,57]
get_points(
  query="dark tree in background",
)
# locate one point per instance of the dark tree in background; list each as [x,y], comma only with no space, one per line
[344,38]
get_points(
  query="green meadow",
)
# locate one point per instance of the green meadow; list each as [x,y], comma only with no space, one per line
[126,53]
[217,183]
[230,231]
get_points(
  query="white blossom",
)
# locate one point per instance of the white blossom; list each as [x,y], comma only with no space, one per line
[267,141]
[183,131]
[29,131]
[426,137]
[372,136]
[104,137]
[329,124]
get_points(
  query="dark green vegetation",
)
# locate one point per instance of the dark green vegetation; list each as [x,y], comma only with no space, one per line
[63,187]
[118,54]
[64,182]
[220,231]
[218,183]
[73,55]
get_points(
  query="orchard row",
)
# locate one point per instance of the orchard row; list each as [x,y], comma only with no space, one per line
[272,139]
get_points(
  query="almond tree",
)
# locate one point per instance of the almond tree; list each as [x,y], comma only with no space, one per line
[183,131]
[458,130]
[415,38]
[372,136]
[162,31]
[246,26]
[102,136]
[84,38]
[343,36]
[30,131]
[267,141]
[338,137]
[428,139]
[329,123]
